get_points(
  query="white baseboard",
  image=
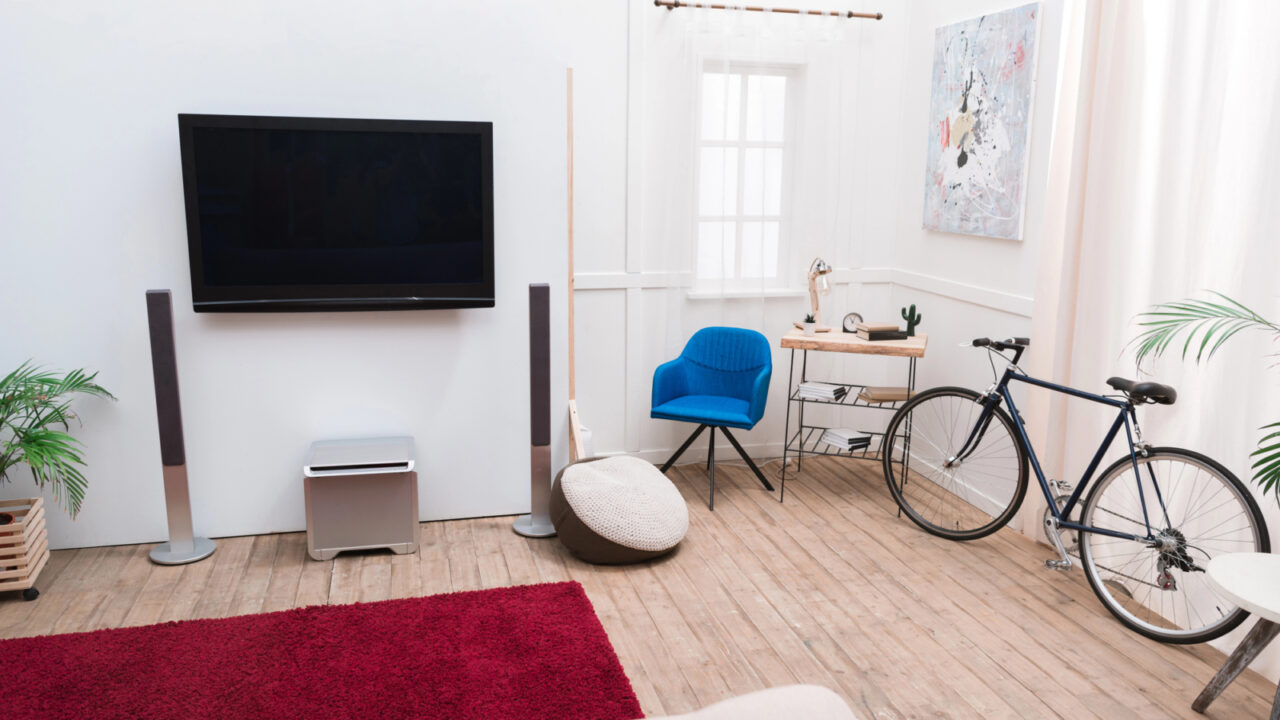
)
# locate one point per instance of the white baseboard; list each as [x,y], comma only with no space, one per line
[759,452]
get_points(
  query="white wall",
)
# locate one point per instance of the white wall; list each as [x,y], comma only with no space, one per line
[967,286]
[630,297]
[91,215]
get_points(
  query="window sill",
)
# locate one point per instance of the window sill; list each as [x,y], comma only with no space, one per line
[745,294]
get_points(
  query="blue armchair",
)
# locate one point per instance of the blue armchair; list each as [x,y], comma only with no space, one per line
[720,380]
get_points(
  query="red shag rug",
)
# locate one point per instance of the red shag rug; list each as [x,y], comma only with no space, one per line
[536,651]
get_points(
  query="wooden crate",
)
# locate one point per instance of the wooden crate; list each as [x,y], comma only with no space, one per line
[24,544]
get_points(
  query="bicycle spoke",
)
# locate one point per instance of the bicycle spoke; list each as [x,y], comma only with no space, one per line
[1162,591]
[950,496]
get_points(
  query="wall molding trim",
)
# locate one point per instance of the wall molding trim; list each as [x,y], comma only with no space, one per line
[1020,305]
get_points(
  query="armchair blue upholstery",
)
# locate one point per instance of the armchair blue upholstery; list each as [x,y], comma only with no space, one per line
[720,380]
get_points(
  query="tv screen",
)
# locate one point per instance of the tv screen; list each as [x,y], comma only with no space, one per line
[291,214]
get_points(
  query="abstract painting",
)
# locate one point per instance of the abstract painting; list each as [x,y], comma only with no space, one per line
[980,123]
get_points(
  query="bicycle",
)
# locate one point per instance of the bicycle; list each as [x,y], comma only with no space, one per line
[956,462]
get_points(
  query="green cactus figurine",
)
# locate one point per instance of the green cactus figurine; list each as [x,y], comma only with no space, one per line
[912,320]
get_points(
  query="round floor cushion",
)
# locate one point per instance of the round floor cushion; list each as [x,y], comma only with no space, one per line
[617,510]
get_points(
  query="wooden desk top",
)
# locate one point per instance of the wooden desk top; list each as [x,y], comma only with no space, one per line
[837,341]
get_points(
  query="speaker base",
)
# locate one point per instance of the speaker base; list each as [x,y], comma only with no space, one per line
[164,554]
[527,526]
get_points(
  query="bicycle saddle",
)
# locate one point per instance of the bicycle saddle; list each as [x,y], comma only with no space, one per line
[1144,391]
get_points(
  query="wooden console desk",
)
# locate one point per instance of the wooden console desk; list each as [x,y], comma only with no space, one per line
[807,438]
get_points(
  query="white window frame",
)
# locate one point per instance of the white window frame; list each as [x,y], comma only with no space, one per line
[736,284]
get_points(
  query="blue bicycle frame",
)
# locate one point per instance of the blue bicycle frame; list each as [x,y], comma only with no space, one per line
[1125,418]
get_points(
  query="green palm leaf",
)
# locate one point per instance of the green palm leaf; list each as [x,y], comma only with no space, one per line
[34,403]
[1204,327]
[1211,323]
[1267,466]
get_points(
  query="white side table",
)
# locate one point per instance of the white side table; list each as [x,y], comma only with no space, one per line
[1252,581]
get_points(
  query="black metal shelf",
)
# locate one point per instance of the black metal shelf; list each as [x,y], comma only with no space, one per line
[807,439]
[811,444]
[850,399]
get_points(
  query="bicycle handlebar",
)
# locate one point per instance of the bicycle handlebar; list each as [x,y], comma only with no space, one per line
[1013,343]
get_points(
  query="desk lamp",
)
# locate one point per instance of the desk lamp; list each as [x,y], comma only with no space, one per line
[818,284]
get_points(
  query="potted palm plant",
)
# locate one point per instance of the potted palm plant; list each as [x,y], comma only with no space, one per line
[1204,327]
[35,415]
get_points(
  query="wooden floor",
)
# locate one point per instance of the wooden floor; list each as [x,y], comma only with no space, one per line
[829,588]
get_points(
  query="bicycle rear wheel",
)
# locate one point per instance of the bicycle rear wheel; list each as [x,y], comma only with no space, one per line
[1163,592]
[958,499]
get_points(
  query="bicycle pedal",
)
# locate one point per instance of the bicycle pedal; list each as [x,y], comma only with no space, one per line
[1059,565]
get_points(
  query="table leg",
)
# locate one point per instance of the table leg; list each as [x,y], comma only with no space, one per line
[786,428]
[804,371]
[1257,639]
[906,438]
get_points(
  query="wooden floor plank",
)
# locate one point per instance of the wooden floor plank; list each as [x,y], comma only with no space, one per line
[830,587]
[189,589]
[459,547]
[375,576]
[491,564]
[595,581]
[229,568]
[125,590]
[251,591]
[286,572]
[433,560]
[980,565]
[858,613]
[344,581]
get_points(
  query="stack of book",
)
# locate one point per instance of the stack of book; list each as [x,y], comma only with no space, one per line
[884,394]
[822,391]
[846,439]
[880,331]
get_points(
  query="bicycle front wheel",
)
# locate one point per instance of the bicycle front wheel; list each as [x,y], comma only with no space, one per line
[1196,509]
[956,498]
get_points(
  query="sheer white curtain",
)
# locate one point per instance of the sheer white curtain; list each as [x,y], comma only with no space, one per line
[1163,185]
[745,169]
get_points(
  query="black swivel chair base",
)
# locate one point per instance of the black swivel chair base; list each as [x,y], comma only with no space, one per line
[711,457]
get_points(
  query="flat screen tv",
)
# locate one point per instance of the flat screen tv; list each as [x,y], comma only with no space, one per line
[290,214]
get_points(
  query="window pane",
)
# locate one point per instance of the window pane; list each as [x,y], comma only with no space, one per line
[721,105]
[718,184]
[762,181]
[716,247]
[766,107]
[759,249]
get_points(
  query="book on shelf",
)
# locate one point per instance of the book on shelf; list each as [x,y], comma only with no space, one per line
[884,394]
[846,439]
[877,326]
[877,335]
[822,391]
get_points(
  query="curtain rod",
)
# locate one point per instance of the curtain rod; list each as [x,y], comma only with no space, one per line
[673,4]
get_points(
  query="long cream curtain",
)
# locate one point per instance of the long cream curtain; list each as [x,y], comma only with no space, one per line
[1163,185]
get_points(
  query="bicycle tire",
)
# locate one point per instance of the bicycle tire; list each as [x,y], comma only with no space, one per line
[1111,583]
[999,515]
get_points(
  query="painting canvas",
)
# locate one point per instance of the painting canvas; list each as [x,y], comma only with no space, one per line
[980,123]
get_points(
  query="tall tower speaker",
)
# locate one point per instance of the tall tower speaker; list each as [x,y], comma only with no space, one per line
[183,546]
[538,522]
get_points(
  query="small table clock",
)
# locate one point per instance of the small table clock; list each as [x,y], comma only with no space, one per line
[851,322]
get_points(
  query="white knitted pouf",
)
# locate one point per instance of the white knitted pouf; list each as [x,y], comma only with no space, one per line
[618,509]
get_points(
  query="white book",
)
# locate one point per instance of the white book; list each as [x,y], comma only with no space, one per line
[822,391]
[845,438]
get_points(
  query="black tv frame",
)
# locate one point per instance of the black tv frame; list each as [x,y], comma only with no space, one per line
[318,298]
